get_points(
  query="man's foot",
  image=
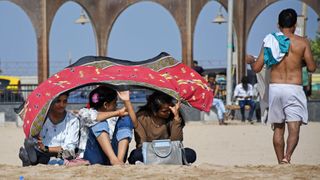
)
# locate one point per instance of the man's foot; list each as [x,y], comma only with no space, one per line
[29,144]
[23,155]
[284,161]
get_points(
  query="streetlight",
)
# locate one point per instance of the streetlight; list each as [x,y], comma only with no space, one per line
[220,19]
[82,19]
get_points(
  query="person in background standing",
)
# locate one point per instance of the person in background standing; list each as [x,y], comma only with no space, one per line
[197,68]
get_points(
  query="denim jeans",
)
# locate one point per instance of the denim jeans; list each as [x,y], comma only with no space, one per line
[242,104]
[218,103]
[94,152]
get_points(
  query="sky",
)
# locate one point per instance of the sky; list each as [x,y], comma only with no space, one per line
[141,32]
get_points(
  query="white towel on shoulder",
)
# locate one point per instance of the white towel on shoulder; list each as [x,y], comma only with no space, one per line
[271,42]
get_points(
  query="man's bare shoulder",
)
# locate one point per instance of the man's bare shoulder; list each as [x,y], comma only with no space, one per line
[300,39]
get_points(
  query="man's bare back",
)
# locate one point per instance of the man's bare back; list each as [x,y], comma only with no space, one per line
[289,70]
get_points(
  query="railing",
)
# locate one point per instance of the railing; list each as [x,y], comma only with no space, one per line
[17,94]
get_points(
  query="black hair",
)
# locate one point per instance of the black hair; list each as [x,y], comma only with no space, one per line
[62,94]
[155,100]
[214,75]
[101,95]
[244,82]
[287,18]
[195,62]
[65,93]
[154,103]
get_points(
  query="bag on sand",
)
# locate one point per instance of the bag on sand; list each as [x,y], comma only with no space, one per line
[163,152]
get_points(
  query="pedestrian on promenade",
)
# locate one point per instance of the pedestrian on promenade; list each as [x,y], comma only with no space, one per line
[285,54]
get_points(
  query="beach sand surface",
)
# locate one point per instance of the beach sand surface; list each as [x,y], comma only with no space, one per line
[236,151]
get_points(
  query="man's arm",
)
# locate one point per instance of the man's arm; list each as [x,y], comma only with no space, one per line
[308,58]
[256,64]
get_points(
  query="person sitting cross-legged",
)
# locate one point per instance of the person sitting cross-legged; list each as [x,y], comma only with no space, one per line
[59,134]
[159,119]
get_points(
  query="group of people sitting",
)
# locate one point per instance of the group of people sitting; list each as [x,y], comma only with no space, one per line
[244,94]
[101,133]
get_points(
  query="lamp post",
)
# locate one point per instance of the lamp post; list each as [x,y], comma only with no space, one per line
[229,52]
[220,19]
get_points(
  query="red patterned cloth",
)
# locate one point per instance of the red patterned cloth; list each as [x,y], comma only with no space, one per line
[166,75]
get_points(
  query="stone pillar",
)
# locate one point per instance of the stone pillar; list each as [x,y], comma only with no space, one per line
[43,49]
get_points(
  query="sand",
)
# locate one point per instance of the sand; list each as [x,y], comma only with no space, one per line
[236,151]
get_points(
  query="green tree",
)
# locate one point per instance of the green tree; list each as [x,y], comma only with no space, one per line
[315,48]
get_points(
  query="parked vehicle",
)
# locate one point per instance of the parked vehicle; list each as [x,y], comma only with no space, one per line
[10,89]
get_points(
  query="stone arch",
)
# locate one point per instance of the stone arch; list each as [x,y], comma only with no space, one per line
[103,13]
[137,13]
[64,35]
[215,32]
[32,35]
[128,6]
[315,5]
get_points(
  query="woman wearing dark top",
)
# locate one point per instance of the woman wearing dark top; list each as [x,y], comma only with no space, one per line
[159,119]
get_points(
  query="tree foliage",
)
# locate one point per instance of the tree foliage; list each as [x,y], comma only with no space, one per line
[315,48]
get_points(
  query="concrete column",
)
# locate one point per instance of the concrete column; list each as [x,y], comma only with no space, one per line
[2,118]
[43,49]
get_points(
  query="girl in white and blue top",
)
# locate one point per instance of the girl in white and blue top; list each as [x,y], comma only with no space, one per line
[106,131]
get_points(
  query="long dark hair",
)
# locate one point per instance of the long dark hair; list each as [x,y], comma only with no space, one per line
[101,95]
[154,103]
[244,82]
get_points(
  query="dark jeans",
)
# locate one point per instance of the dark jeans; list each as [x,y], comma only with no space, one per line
[242,104]
[40,157]
[258,112]
[136,155]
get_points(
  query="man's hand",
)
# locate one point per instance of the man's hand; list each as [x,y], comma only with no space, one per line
[124,95]
[250,59]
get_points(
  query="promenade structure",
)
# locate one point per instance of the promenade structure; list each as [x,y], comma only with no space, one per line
[104,13]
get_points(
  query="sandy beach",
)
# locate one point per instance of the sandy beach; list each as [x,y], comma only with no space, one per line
[236,151]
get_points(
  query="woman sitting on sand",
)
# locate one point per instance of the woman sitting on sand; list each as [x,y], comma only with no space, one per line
[59,134]
[106,131]
[159,119]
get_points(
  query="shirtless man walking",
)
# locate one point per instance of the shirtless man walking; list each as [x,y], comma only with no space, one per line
[287,101]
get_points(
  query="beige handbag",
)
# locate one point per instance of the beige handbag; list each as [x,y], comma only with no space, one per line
[163,152]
